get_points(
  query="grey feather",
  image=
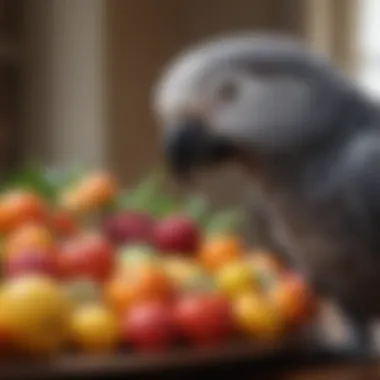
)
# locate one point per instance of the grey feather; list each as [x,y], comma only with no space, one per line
[311,138]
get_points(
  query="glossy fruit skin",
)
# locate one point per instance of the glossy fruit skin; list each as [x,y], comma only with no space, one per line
[92,192]
[88,255]
[149,326]
[94,329]
[31,236]
[235,277]
[294,299]
[204,319]
[255,315]
[34,311]
[19,207]
[31,262]
[145,282]
[219,250]
[131,227]
[99,187]
[177,234]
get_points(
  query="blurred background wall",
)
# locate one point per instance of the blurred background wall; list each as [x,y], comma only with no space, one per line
[81,84]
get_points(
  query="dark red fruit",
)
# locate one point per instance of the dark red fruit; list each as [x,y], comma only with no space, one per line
[31,262]
[130,227]
[204,319]
[149,326]
[177,234]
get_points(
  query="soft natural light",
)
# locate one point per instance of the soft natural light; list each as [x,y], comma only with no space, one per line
[368,45]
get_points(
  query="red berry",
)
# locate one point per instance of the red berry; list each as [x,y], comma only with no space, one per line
[177,234]
[130,227]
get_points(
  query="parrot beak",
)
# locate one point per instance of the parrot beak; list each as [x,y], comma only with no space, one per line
[190,145]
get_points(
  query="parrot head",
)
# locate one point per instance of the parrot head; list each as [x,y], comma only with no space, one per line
[247,97]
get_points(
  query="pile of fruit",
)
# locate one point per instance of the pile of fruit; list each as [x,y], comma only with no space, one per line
[86,266]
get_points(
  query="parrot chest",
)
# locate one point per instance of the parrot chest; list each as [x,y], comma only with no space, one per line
[328,246]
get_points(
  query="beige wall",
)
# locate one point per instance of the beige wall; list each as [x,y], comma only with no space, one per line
[90,65]
[64,97]
[142,36]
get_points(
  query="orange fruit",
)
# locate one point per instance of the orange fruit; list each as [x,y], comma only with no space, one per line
[94,328]
[29,237]
[217,251]
[141,283]
[100,187]
[294,299]
[18,207]
[92,192]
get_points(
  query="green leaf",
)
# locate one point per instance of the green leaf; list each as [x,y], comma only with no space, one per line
[224,221]
[164,205]
[198,208]
[147,196]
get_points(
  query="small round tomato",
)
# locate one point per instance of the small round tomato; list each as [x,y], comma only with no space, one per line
[88,255]
[145,282]
[19,207]
[149,326]
[255,315]
[94,329]
[176,234]
[219,250]
[294,299]
[204,319]
[29,237]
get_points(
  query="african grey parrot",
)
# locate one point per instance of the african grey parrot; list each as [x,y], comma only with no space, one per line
[309,139]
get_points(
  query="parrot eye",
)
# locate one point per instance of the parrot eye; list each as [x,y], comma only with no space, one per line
[228,91]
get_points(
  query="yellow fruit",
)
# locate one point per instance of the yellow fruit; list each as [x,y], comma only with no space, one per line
[34,310]
[94,328]
[179,269]
[256,316]
[235,278]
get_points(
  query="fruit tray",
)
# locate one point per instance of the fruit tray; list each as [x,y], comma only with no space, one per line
[91,267]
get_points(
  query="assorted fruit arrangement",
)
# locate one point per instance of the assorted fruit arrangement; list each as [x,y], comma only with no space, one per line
[88,266]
